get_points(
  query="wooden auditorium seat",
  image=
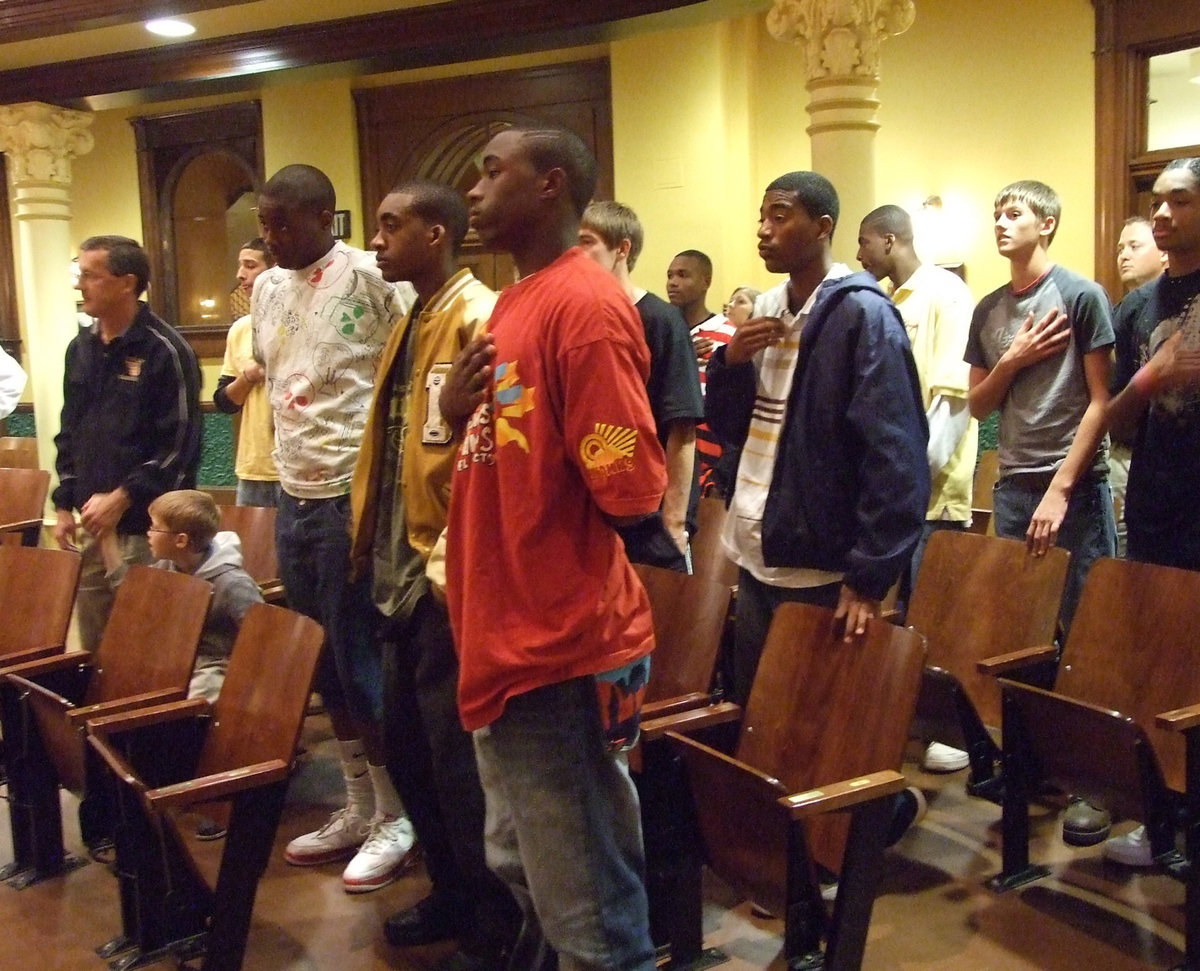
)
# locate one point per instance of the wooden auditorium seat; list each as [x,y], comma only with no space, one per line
[709,558]
[987,471]
[689,614]
[18,453]
[813,779]
[1112,730]
[979,597]
[22,504]
[162,762]
[37,593]
[255,526]
[145,657]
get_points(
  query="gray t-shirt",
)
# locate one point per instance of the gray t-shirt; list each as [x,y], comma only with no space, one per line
[1046,401]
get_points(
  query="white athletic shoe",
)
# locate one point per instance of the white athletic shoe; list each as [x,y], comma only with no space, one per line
[386,854]
[944,758]
[338,839]
[1132,849]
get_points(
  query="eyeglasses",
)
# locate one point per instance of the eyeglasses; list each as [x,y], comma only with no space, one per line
[155,529]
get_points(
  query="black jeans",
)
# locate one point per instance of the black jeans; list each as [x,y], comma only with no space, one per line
[431,759]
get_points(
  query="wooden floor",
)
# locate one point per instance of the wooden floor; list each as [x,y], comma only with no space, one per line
[933,911]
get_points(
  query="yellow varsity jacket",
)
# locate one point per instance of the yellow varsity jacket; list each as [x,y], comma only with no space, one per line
[454,315]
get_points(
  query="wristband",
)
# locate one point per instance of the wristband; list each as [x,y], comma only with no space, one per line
[1143,382]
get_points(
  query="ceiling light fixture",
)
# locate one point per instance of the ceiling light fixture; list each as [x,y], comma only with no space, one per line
[170,27]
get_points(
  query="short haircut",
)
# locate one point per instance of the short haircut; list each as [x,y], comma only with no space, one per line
[301,186]
[550,147]
[1137,221]
[1191,164]
[1042,201]
[701,258]
[259,245]
[890,220]
[188,511]
[614,222]
[814,192]
[440,205]
[125,256]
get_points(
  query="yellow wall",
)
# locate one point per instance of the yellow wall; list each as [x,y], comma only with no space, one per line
[705,116]
[971,104]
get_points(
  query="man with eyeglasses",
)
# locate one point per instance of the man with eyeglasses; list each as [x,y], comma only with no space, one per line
[130,427]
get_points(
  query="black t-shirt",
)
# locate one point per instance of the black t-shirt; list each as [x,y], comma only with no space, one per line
[1162,504]
[674,384]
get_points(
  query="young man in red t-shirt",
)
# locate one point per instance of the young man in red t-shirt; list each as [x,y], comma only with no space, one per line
[551,623]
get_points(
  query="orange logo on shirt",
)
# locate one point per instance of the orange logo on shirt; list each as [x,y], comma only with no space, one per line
[609,449]
[513,401]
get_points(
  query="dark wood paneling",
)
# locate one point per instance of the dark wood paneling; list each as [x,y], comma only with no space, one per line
[31,19]
[1128,32]
[423,130]
[438,34]
[10,328]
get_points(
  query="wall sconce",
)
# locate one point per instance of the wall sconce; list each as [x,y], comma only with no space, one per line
[1194,66]
[208,304]
[939,233]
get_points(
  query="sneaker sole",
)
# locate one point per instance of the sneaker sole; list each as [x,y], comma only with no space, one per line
[320,859]
[956,766]
[367,884]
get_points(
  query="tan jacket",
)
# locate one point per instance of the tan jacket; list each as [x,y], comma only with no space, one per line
[454,315]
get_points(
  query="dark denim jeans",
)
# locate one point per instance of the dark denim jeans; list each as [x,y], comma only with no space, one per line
[312,541]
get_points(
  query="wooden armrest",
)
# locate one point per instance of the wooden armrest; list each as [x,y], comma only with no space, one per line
[30,654]
[891,615]
[1016,659]
[58,662]
[749,778]
[32,687]
[116,762]
[691,720]
[839,795]
[78,716]
[1179,720]
[18,524]
[220,785]
[113,724]
[669,706]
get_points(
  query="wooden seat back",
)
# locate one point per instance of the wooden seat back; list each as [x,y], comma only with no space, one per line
[1133,648]
[689,618]
[709,558]
[255,526]
[151,636]
[149,644]
[982,596]
[259,712]
[23,501]
[987,471]
[18,453]
[822,710]
[37,593]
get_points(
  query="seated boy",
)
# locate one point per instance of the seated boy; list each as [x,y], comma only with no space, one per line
[183,536]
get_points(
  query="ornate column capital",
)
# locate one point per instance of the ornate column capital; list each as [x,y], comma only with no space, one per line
[841,38]
[41,139]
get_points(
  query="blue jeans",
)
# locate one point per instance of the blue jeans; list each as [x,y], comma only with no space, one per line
[564,828]
[312,540]
[1088,530]
[258,492]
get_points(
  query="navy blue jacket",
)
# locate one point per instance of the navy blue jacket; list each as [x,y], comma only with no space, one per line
[851,480]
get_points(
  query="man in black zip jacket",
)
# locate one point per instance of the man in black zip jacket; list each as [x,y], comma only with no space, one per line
[821,388]
[130,427]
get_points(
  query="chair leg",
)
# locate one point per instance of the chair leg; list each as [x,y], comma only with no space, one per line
[858,884]
[34,810]
[804,919]
[252,826]
[1016,870]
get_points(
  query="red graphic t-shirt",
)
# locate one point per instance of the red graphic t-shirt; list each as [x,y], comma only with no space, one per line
[539,587]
